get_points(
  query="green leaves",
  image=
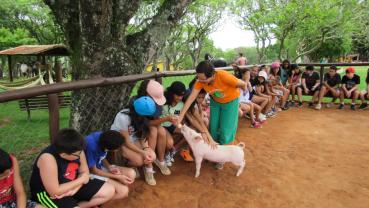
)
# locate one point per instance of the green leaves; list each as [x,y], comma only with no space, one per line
[32,16]
[14,38]
[300,27]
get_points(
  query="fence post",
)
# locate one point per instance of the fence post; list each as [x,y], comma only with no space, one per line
[53,104]
[10,68]
[321,75]
[158,79]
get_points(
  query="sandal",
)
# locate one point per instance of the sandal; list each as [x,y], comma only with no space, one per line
[186,155]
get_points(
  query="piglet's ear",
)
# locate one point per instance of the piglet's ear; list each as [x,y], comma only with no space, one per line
[197,138]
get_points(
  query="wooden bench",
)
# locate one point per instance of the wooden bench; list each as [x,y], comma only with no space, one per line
[41,102]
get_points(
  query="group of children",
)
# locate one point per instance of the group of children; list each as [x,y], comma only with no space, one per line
[77,171]
[272,89]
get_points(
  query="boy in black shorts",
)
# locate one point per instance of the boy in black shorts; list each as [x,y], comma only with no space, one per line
[350,88]
[60,176]
[310,82]
[330,87]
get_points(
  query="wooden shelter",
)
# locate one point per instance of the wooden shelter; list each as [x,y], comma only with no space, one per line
[41,51]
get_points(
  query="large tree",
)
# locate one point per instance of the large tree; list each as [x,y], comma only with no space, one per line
[97,34]
[255,15]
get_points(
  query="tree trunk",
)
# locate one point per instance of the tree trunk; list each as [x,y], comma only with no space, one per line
[95,33]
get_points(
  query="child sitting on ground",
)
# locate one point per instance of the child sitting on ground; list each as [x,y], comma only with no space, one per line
[60,176]
[135,132]
[194,119]
[97,146]
[294,81]
[247,106]
[262,90]
[159,138]
[203,102]
[277,85]
[12,192]
[350,88]
[310,85]
[330,87]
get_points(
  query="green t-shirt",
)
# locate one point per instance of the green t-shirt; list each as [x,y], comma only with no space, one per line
[171,110]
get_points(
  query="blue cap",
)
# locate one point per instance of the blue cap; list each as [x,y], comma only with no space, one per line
[144,106]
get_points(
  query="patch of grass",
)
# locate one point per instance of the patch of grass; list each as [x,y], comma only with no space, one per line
[24,139]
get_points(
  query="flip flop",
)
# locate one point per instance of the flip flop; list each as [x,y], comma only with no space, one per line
[185,154]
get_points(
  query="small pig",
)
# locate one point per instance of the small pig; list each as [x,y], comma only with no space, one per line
[201,150]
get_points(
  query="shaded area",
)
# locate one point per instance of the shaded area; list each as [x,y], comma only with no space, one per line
[301,158]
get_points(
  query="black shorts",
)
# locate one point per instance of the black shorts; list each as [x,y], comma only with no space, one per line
[85,193]
[170,128]
[311,92]
[352,94]
[329,93]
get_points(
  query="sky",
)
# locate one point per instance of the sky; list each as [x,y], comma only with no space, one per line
[228,36]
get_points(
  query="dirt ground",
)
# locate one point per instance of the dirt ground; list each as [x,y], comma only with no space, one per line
[301,158]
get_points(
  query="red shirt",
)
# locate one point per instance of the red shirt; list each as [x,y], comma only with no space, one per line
[6,186]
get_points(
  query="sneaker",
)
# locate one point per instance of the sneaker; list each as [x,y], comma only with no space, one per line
[247,115]
[300,104]
[328,105]
[219,166]
[256,125]
[163,167]
[260,121]
[149,177]
[352,106]
[285,107]
[172,154]
[342,106]
[363,106]
[262,117]
[291,103]
[311,105]
[168,159]
[270,114]
[318,106]
[186,155]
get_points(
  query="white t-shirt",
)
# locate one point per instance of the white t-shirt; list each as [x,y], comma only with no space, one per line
[122,122]
[244,96]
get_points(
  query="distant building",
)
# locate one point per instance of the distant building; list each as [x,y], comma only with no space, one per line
[160,65]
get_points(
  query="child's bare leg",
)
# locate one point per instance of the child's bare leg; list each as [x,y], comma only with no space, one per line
[106,193]
[257,110]
[161,143]
[355,96]
[252,117]
[286,94]
[299,94]
[170,142]
[153,137]
[121,191]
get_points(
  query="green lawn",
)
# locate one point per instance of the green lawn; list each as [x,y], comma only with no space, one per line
[24,138]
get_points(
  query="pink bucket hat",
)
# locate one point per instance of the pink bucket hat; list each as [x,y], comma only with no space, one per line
[156,92]
[275,64]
